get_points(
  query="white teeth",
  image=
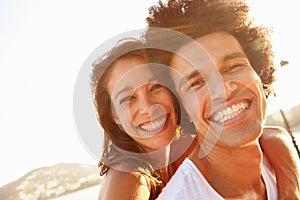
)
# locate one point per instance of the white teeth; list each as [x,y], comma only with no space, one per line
[235,108]
[230,112]
[153,126]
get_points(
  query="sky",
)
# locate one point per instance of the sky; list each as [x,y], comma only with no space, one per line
[43,47]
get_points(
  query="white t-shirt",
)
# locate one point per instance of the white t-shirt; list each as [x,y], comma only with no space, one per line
[189,183]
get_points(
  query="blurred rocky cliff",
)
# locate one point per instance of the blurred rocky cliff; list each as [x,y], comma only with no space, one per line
[293,118]
[292,115]
[51,182]
[59,180]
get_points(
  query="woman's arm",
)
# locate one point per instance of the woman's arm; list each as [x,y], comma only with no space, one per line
[278,147]
[122,185]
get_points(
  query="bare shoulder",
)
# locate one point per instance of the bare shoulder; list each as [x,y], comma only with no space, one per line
[277,139]
[124,185]
[274,132]
[278,147]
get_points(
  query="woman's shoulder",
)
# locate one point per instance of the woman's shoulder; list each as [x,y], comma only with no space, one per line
[275,128]
[124,185]
[274,131]
[275,138]
[278,147]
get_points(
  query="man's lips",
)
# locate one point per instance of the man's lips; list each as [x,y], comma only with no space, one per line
[230,112]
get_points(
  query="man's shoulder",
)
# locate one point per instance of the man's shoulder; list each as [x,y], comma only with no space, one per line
[184,184]
[186,169]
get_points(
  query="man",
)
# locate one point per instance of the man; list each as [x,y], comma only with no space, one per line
[230,78]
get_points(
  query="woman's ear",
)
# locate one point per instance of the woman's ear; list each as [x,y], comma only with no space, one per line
[115,118]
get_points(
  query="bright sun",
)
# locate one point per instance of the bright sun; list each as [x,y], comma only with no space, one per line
[281,17]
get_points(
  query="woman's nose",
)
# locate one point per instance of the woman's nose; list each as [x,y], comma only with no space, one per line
[145,104]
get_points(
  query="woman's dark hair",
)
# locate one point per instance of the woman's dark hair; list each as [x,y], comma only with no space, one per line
[116,141]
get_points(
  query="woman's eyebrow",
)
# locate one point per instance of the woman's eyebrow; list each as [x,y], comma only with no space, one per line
[129,88]
[152,79]
[125,89]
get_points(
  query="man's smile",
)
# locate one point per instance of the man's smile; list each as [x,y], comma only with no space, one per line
[230,112]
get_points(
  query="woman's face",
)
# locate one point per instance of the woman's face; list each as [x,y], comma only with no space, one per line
[144,108]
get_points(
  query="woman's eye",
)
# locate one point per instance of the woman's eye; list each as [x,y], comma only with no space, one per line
[126,99]
[155,87]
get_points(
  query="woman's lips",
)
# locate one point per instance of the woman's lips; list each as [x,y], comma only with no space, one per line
[154,125]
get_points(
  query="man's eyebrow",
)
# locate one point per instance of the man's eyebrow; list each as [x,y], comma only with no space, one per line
[225,58]
[191,75]
[234,55]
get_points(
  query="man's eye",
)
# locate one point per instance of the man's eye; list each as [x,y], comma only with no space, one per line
[197,84]
[127,99]
[234,67]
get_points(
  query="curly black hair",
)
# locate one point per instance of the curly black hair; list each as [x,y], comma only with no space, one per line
[196,18]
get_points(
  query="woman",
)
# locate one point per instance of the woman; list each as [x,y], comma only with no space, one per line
[141,117]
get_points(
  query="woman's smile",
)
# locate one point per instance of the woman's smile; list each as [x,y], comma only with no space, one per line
[155,126]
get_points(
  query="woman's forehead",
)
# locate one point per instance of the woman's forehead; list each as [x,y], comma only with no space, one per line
[130,67]
[132,73]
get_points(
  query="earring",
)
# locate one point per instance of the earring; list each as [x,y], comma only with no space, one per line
[178,132]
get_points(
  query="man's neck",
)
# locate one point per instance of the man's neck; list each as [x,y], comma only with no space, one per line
[233,172]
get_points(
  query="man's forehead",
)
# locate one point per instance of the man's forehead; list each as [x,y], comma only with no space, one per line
[209,46]
[191,52]
[196,63]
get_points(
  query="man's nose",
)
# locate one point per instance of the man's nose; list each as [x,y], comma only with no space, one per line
[230,86]
[223,89]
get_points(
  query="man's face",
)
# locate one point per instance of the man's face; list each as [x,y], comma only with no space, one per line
[229,102]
